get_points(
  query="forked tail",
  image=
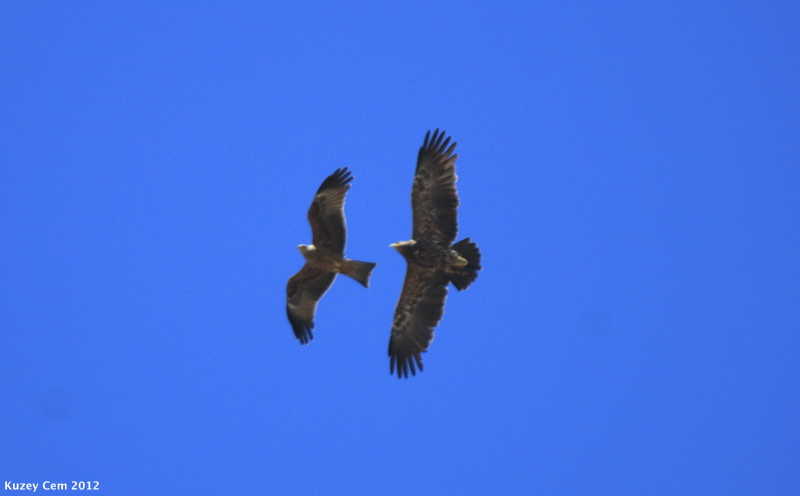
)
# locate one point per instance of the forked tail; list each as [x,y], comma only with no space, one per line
[360,271]
[462,277]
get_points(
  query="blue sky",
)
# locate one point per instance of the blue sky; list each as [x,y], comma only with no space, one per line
[629,171]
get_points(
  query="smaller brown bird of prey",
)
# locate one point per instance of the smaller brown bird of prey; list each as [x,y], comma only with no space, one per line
[432,261]
[325,257]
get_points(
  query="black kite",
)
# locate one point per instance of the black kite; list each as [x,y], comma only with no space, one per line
[325,257]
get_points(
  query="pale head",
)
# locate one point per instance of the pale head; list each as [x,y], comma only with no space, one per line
[403,246]
[306,248]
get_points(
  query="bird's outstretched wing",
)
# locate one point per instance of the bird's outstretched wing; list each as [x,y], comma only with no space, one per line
[419,310]
[434,199]
[302,294]
[326,214]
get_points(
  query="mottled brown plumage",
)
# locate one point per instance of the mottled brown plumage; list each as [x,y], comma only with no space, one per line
[325,257]
[432,261]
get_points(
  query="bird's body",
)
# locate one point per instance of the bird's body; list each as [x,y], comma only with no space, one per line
[332,261]
[432,261]
[430,255]
[324,258]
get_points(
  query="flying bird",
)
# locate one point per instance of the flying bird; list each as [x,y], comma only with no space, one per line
[432,261]
[325,257]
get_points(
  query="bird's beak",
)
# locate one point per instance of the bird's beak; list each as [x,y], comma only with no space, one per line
[462,262]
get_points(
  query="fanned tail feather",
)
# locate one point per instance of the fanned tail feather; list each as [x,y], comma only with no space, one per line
[462,277]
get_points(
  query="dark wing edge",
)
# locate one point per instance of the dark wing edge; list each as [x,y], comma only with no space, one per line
[434,198]
[326,214]
[303,292]
[419,310]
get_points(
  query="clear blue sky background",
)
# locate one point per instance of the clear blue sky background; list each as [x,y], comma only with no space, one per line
[631,172]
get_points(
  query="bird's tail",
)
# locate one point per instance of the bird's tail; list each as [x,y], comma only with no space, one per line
[360,271]
[462,277]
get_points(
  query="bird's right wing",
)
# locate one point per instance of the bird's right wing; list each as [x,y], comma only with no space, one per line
[326,214]
[419,310]
[302,294]
[434,199]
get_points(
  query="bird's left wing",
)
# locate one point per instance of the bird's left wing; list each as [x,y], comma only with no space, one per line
[302,294]
[419,310]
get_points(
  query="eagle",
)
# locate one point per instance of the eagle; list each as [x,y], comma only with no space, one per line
[325,257]
[432,263]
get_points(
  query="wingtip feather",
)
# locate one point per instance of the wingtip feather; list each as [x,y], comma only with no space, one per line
[341,177]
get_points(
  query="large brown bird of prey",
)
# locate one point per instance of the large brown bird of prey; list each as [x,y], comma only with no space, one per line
[325,257]
[432,261]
